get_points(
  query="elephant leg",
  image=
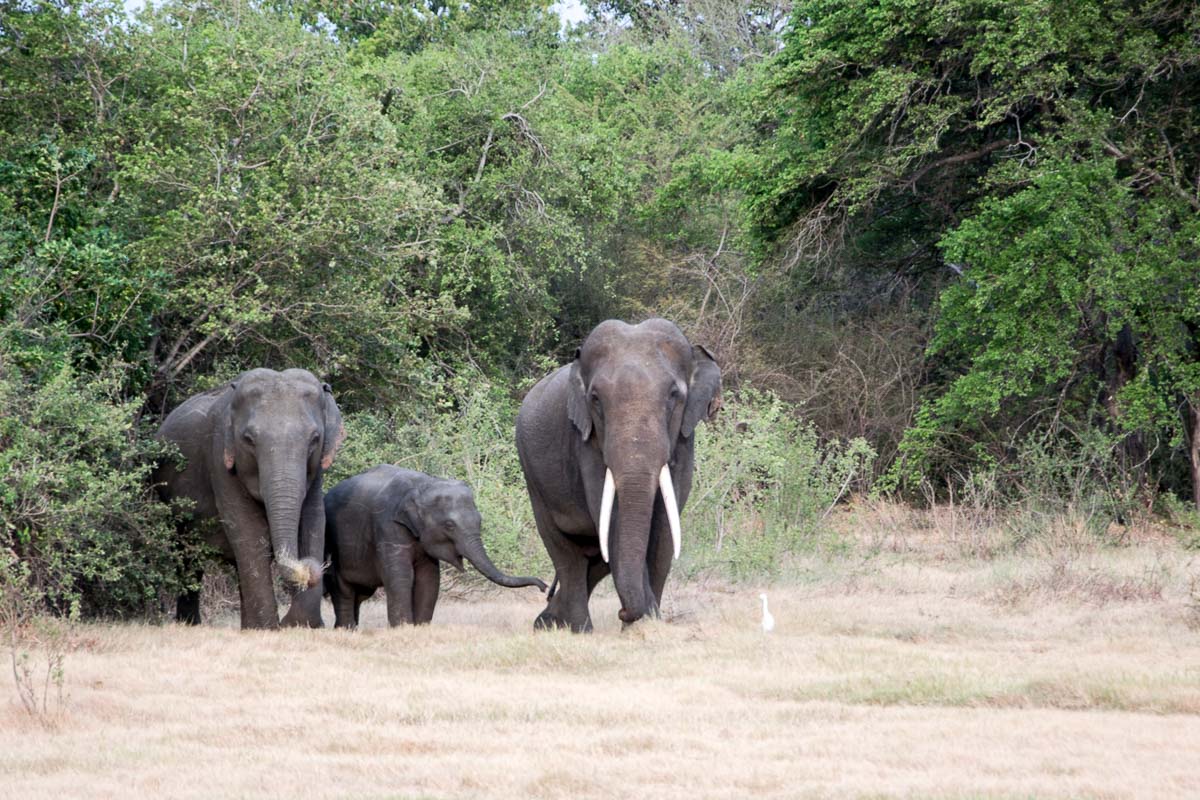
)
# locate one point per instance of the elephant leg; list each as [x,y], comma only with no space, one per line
[359,599]
[427,577]
[345,604]
[187,608]
[187,605]
[660,556]
[569,606]
[312,522]
[257,589]
[305,610]
[396,564]
[249,539]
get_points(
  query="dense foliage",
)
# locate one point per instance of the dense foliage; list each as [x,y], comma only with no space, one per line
[73,499]
[1031,171]
[947,233]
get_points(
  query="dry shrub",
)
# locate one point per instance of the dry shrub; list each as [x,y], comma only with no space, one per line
[37,643]
[219,596]
[1074,580]
[853,376]
[952,529]
[1193,603]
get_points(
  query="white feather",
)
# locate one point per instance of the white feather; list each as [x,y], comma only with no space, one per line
[768,621]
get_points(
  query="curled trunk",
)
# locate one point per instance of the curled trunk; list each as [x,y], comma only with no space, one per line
[473,551]
[284,488]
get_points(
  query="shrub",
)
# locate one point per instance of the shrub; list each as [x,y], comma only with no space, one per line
[1052,494]
[74,492]
[764,481]
[29,633]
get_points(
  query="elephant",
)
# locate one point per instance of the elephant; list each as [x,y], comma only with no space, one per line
[607,447]
[255,451]
[390,527]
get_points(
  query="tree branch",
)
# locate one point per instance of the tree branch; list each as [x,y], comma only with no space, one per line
[955,159]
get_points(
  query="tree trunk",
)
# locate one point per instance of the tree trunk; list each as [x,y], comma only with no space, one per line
[1193,429]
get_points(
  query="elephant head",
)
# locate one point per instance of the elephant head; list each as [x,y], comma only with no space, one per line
[281,432]
[442,515]
[636,394]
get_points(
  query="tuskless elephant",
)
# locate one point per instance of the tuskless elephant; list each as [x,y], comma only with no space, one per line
[255,451]
[390,527]
[607,447]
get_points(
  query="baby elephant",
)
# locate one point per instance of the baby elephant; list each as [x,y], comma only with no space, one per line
[390,527]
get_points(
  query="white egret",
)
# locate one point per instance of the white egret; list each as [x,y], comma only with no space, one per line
[768,621]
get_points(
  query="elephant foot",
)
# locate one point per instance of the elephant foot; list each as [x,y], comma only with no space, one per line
[305,611]
[547,621]
[295,620]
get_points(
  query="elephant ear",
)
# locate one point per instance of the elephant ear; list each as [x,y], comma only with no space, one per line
[335,432]
[577,405]
[407,514]
[704,390]
[227,448]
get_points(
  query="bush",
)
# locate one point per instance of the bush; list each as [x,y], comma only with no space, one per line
[1071,480]
[37,642]
[1053,494]
[764,481]
[75,500]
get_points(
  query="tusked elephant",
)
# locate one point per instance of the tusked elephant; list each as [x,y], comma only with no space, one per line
[390,527]
[255,451]
[607,447]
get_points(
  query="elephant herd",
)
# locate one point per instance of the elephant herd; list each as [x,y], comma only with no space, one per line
[606,444]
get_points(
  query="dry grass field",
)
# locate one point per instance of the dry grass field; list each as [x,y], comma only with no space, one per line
[893,672]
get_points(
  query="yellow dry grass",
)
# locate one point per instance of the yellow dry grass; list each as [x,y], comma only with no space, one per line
[888,675]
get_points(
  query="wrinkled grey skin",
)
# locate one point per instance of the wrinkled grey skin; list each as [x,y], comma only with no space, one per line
[390,527]
[255,450]
[630,402]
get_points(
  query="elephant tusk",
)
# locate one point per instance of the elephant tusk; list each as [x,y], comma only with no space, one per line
[606,504]
[668,493]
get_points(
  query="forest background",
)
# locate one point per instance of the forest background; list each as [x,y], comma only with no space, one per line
[946,253]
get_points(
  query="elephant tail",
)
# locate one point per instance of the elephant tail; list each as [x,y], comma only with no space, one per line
[553,588]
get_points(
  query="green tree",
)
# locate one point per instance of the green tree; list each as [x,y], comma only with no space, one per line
[265,184]
[62,262]
[1047,152]
[75,502]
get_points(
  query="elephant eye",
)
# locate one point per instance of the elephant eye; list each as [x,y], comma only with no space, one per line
[248,439]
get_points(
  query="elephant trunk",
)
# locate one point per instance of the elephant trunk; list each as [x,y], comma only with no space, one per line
[635,495]
[472,550]
[284,486]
